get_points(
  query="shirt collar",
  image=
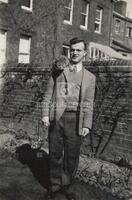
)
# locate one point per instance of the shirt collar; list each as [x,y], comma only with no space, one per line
[78,67]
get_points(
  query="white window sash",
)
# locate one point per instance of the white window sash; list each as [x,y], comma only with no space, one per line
[129,32]
[86,17]
[96,54]
[90,52]
[117,26]
[3,49]
[93,53]
[99,20]
[28,8]
[71,13]
[24,56]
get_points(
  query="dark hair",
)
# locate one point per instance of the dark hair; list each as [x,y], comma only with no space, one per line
[78,40]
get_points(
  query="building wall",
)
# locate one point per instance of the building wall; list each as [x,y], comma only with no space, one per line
[120,7]
[15,21]
[124,42]
[66,32]
[45,42]
[47,30]
[120,36]
[128,40]
[39,24]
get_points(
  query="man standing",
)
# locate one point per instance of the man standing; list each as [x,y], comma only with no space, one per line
[68,111]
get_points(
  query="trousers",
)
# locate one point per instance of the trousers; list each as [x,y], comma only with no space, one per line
[64,150]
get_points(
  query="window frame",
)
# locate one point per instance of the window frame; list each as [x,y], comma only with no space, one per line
[68,48]
[5,33]
[71,13]
[28,8]
[86,14]
[99,20]
[21,53]
[129,32]
[117,28]
[96,54]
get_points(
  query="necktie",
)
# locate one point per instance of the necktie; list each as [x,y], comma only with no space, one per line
[73,68]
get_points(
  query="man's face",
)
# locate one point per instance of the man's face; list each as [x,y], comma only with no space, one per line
[77,52]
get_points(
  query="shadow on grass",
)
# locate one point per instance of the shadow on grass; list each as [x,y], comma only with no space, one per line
[37,161]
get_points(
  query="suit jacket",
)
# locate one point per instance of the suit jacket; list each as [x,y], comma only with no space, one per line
[54,102]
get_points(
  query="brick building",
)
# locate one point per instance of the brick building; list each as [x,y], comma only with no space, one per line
[122,30]
[93,23]
[37,32]
[25,27]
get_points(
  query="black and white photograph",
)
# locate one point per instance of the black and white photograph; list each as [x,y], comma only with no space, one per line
[65,99]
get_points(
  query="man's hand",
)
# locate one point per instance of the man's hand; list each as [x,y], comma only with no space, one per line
[46,121]
[85,132]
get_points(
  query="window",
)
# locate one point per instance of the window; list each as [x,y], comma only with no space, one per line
[129,32]
[5,1]
[66,51]
[96,54]
[68,12]
[84,15]
[24,49]
[3,35]
[117,26]
[27,4]
[98,20]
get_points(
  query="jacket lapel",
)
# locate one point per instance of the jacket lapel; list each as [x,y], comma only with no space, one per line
[66,72]
[84,82]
